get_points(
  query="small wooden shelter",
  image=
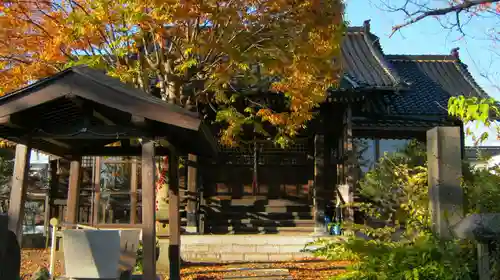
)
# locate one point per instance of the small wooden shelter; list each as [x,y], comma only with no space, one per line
[80,111]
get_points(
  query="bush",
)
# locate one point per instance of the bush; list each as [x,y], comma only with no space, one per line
[422,258]
[396,191]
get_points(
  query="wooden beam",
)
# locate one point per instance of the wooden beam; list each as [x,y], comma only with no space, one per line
[102,118]
[192,188]
[148,210]
[137,120]
[18,190]
[120,151]
[57,143]
[73,190]
[133,191]
[92,132]
[174,217]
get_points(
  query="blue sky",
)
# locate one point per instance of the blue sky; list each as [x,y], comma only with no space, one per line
[428,37]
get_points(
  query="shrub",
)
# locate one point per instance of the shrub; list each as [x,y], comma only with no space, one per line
[396,190]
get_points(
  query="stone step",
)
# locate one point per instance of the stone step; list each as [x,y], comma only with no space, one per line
[244,248]
[256,273]
[238,257]
[256,229]
[236,223]
[257,208]
[261,215]
[252,200]
[240,248]
[248,239]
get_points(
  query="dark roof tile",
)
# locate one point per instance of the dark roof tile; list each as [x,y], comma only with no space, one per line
[364,62]
[432,80]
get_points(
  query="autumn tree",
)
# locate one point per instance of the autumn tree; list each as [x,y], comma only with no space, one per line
[190,52]
[455,15]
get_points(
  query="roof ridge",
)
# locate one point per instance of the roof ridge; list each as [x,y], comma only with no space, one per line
[462,68]
[379,55]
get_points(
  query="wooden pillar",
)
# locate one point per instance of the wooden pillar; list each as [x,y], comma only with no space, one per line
[54,185]
[192,188]
[73,190]
[133,191]
[97,191]
[174,255]
[255,170]
[319,185]
[18,191]
[148,210]
[347,190]
[46,217]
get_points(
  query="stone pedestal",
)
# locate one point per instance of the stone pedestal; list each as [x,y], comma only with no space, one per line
[91,254]
[445,172]
[482,228]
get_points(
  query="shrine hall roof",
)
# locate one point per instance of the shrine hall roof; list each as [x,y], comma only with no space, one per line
[412,84]
[364,62]
[432,80]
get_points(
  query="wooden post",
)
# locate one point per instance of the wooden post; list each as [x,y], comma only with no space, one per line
[54,185]
[97,190]
[483,261]
[148,211]
[348,189]
[174,255]
[133,191]
[46,218]
[18,191]
[192,188]
[73,190]
[255,169]
[319,182]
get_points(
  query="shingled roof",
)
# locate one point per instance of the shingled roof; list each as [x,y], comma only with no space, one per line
[365,63]
[432,80]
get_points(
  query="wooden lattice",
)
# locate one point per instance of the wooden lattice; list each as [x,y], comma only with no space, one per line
[267,153]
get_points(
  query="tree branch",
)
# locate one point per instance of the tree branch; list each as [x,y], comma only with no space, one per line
[457,8]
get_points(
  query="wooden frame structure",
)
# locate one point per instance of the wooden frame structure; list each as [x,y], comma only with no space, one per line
[81,111]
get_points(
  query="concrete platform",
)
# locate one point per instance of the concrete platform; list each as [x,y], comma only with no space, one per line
[239,248]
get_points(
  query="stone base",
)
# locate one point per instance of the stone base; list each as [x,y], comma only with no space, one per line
[239,248]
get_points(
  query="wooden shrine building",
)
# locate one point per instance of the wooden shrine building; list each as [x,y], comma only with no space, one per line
[260,188]
[79,112]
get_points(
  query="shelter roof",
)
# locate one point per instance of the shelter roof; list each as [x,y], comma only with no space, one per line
[80,110]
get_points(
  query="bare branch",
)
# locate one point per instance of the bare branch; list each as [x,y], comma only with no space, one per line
[427,12]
